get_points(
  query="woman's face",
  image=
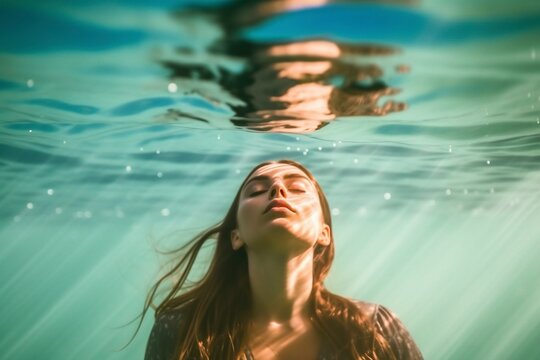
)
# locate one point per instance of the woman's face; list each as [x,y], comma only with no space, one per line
[290,229]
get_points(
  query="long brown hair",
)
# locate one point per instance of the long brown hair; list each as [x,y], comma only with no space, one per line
[217,307]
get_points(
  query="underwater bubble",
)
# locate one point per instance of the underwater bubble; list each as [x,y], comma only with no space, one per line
[172,87]
[165,212]
[58,210]
[128,168]
[30,206]
[387,196]
[335,211]
[448,192]
[159,174]
[30,83]
[288,148]
[50,191]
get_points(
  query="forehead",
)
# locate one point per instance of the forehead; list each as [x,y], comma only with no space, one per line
[278,171]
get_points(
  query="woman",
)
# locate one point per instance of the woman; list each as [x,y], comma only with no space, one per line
[263,296]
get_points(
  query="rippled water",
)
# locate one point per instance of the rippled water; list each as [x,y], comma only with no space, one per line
[122,122]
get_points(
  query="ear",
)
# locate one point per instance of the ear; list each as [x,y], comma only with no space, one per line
[236,242]
[324,238]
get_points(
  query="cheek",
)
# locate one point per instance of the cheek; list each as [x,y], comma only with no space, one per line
[247,212]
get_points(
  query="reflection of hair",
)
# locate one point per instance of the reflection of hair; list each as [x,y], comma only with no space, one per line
[217,307]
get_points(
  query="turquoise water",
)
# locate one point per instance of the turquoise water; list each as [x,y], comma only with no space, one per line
[129,125]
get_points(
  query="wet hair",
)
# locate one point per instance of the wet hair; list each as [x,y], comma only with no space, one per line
[217,306]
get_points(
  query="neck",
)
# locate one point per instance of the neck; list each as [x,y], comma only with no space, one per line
[281,287]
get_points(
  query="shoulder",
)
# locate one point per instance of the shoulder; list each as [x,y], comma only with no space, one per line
[369,309]
[389,325]
[164,336]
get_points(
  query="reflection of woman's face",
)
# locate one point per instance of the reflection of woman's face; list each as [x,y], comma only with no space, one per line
[287,231]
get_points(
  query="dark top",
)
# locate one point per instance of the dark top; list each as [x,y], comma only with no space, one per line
[163,337]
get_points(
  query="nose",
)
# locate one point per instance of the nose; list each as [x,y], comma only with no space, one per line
[277,188]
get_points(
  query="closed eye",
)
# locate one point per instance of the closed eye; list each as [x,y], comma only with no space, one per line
[256,193]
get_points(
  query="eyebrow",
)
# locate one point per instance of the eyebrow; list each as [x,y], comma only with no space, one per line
[265,178]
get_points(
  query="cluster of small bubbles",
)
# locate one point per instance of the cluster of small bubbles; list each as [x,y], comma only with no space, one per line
[237,171]
[362,211]
[305,151]
[488,162]
[128,168]
[335,211]
[288,148]
[30,83]
[320,148]
[83,214]
[159,174]
[387,196]
[355,161]
[219,137]
[448,192]
[30,206]
[50,191]
[172,87]
[16,218]
[165,212]
[158,151]
[58,210]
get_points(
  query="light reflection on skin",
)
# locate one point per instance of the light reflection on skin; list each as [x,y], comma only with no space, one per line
[280,249]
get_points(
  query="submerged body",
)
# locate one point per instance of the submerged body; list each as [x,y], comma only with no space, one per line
[167,330]
[263,297]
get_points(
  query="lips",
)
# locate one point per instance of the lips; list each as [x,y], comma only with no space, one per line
[281,203]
